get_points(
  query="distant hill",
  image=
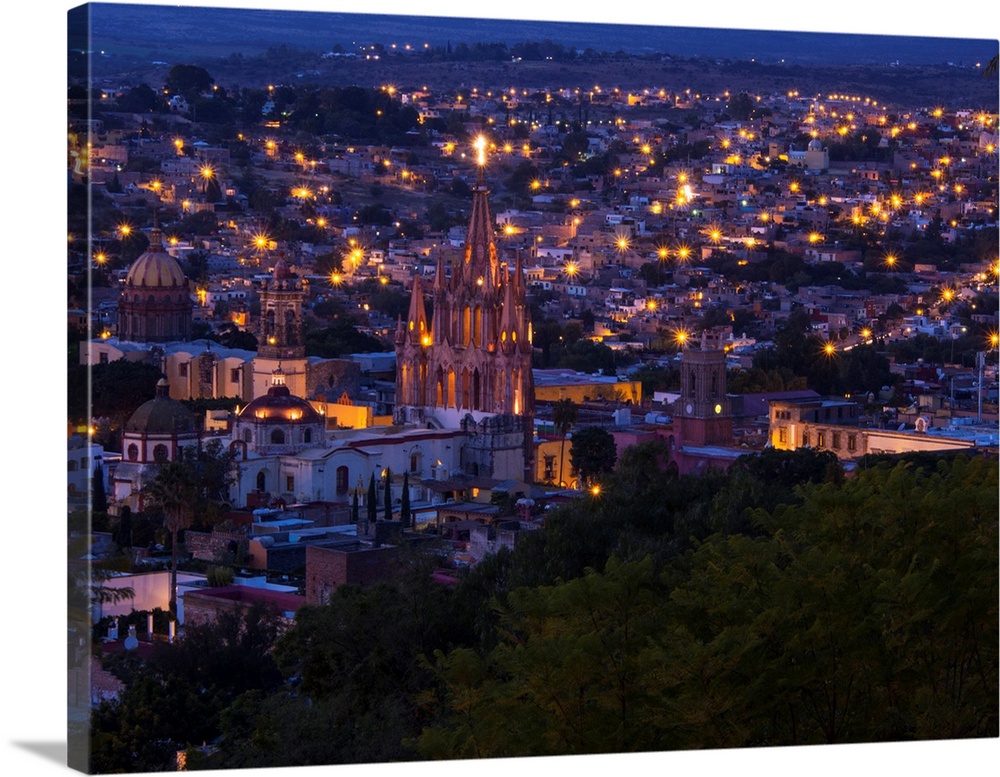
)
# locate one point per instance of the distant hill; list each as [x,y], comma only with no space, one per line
[167,31]
[253,47]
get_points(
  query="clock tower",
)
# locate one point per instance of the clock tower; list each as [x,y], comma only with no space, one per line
[702,414]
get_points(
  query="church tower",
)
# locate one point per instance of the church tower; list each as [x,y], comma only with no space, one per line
[703,414]
[470,364]
[279,332]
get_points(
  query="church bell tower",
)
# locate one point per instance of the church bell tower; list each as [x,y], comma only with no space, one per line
[279,331]
[703,414]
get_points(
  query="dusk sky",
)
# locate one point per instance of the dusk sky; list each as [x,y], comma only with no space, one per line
[34,669]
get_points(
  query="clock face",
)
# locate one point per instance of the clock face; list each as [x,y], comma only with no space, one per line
[718,409]
[689,408]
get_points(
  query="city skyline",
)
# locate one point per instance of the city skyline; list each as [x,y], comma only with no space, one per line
[32,758]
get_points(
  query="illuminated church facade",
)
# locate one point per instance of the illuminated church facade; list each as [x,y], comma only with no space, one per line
[468,365]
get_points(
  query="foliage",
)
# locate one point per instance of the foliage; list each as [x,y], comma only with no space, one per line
[592,452]
[341,338]
[177,696]
[566,680]
[354,678]
[188,80]
[98,494]
[865,611]
[370,502]
[190,488]
[798,351]
[405,516]
[117,389]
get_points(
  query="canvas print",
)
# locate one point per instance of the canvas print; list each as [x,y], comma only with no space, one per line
[446,388]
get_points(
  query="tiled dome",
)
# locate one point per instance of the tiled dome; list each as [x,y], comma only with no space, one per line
[156,268]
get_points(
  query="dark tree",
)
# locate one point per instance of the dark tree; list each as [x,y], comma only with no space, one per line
[188,80]
[372,508]
[404,503]
[741,106]
[139,99]
[99,497]
[593,452]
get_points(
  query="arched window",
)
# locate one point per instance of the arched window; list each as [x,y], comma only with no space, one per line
[133,452]
[261,481]
[247,435]
[160,453]
[72,466]
[343,478]
[307,436]
[278,437]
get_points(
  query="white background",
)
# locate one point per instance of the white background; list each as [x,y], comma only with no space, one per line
[32,538]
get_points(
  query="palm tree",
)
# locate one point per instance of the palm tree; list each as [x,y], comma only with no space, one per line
[193,484]
[175,490]
[563,417]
